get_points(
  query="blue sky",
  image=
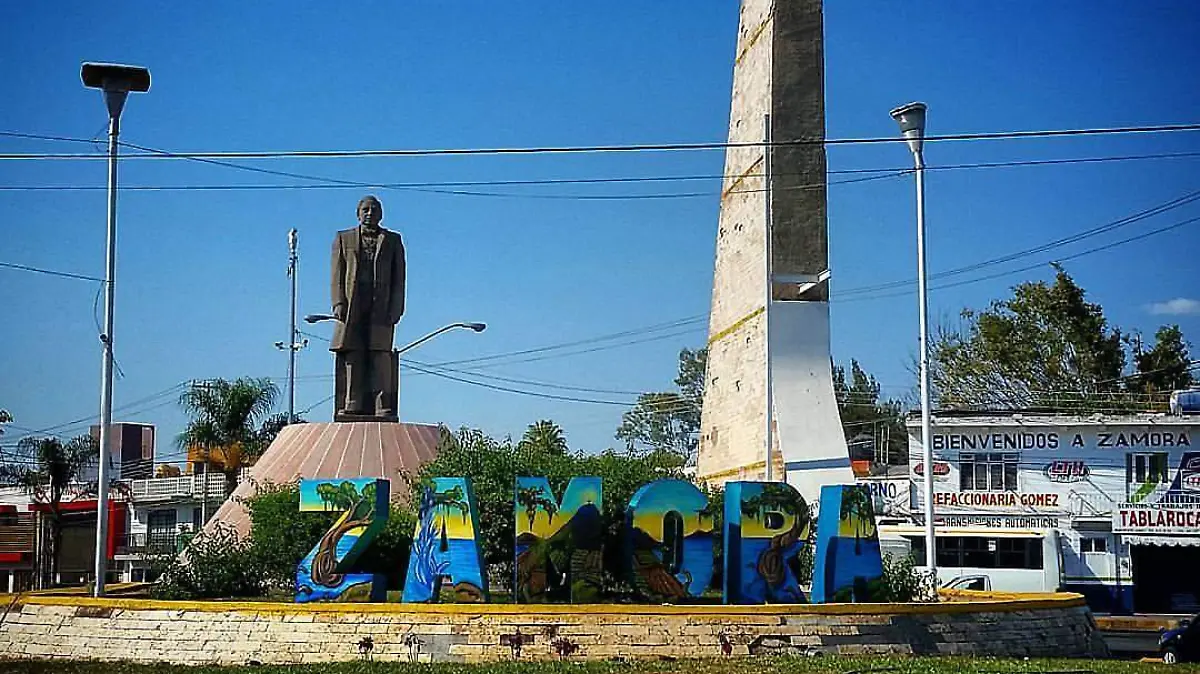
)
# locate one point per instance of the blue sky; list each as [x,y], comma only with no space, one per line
[202,290]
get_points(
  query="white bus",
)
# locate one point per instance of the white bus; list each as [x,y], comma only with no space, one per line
[984,559]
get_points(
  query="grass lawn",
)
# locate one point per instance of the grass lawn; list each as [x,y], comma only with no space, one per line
[862,665]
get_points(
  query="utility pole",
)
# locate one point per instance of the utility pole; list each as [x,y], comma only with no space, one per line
[294,343]
[207,385]
[769,473]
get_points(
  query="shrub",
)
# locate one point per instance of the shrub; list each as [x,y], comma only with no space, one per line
[281,535]
[904,581]
[218,564]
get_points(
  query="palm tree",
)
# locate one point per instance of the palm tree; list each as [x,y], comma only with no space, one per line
[46,468]
[545,436]
[224,417]
[856,507]
[531,499]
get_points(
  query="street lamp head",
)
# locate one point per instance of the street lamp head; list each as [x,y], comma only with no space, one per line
[477,327]
[317,318]
[115,77]
[116,81]
[911,118]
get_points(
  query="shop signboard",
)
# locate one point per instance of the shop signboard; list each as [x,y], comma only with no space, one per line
[1067,471]
[1159,518]
[998,499]
[941,470]
[1006,522]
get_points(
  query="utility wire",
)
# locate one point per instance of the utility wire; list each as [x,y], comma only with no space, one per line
[419,186]
[1107,227]
[1032,267]
[38,136]
[50,272]
[649,147]
[341,184]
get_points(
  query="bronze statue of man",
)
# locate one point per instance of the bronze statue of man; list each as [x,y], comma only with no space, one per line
[368,301]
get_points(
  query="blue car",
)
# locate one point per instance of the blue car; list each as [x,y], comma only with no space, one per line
[1181,643]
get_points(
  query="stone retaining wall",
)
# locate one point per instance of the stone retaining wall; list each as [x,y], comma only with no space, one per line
[242,632]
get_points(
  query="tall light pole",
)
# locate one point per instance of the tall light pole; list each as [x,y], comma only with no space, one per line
[768,433]
[116,81]
[294,342]
[911,119]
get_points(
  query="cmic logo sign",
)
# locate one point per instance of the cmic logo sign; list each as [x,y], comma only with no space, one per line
[1066,471]
[1189,472]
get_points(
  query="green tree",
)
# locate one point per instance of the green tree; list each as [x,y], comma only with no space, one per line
[272,425]
[47,469]
[1165,367]
[544,436]
[669,420]
[863,414]
[1046,346]
[224,417]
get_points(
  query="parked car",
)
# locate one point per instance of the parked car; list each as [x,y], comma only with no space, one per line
[1181,643]
[976,582]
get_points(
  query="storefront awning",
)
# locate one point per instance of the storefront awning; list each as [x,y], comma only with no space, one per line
[1168,541]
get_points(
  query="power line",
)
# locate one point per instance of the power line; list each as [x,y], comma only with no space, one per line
[335,183]
[346,184]
[1107,227]
[657,327]
[38,136]
[1033,267]
[50,272]
[648,147]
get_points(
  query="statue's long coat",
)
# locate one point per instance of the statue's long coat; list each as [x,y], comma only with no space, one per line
[388,304]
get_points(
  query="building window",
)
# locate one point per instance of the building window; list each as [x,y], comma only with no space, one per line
[197,519]
[981,552]
[988,472]
[1150,468]
[1093,545]
[160,530]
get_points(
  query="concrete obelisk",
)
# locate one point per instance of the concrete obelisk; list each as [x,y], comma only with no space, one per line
[778,89]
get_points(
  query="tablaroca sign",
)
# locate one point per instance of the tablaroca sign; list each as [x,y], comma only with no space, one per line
[1157,519]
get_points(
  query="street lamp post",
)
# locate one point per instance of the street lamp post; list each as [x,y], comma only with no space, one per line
[911,119]
[116,81]
[474,327]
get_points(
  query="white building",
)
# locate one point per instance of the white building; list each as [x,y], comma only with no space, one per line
[162,512]
[1104,505]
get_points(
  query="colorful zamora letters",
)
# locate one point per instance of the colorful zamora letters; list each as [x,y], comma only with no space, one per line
[559,543]
[669,541]
[848,564]
[445,545]
[766,526]
[667,549]
[327,573]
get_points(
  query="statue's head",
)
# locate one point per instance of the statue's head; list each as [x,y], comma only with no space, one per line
[370,212]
